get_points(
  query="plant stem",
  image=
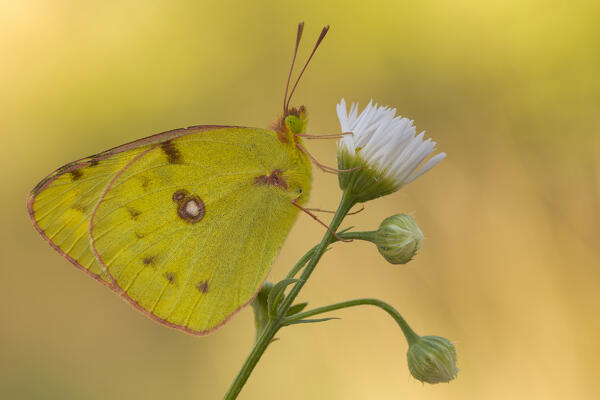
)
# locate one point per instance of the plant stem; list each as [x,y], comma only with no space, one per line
[274,325]
[345,205]
[410,335]
[369,236]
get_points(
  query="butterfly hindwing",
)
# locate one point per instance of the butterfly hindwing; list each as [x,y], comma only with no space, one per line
[185,230]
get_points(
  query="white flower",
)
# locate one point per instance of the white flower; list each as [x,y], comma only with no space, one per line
[387,144]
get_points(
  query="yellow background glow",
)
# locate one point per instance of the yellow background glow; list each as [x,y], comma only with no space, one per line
[510,265]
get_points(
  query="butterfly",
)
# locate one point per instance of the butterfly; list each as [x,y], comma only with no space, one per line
[183,224]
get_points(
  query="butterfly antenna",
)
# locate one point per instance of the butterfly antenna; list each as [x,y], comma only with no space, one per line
[319,40]
[287,85]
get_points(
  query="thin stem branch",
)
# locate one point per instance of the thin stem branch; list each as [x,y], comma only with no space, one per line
[367,235]
[410,335]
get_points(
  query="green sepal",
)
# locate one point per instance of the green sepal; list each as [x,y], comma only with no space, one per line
[365,182]
[296,308]
[276,294]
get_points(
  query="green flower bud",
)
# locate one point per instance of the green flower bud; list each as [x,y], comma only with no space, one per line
[260,307]
[432,359]
[398,238]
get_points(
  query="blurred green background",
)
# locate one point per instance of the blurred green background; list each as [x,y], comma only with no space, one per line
[509,269]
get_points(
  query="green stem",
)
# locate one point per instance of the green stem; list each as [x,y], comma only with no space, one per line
[345,205]
[369,236]
[274,325]
[302,262]
[409,334]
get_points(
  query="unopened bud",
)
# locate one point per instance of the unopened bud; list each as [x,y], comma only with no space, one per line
[432,359]
[398,238]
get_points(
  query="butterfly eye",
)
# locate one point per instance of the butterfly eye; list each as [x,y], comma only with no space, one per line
[299,190]
[293,123]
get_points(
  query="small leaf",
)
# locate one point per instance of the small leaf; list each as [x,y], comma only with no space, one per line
[309,321]
[259,305]
[345,230]
[275,295]
[296,308]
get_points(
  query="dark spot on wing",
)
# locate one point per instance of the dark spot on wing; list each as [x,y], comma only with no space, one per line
[145,182]
[171,151]
[189,208]
[202,286]
[79,208]
[76,174]
[133,213]
[94,162]
[180,195]
[275,179]
[170,276]
[148,260]
[139,235]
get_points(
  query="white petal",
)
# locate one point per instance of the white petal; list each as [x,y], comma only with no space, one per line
[387,142]
[432,162]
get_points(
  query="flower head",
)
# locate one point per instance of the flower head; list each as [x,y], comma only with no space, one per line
[385,147]
[398,238]
[432,359]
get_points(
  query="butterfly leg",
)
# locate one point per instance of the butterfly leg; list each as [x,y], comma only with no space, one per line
[326,136]
[333,212]
[294,202]
[324,168]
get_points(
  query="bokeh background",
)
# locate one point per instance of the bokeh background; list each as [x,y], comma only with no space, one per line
[509,269]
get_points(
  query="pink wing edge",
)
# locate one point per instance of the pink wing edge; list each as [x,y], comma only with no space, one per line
[113,285]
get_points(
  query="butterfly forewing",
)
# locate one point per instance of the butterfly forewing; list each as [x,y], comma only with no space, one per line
[185,230]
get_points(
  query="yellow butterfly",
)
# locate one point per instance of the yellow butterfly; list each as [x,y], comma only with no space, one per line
[184,224]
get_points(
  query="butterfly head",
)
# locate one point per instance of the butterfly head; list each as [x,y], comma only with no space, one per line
[295,120]
[292,123]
